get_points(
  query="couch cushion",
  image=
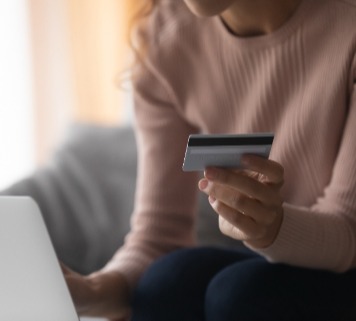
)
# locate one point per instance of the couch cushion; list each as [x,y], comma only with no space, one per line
[86,194]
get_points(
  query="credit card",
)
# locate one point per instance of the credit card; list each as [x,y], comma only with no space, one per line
[205,150]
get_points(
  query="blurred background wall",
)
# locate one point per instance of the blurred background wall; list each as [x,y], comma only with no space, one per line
[60,63]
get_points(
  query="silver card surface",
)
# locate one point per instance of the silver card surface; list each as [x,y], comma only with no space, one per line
[224,150]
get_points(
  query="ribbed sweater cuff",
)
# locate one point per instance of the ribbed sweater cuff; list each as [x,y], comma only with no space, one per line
[302,241]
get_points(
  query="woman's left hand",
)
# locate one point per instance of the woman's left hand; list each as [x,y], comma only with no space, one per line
[248,201]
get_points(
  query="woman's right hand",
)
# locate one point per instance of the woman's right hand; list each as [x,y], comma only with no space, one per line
[100,294]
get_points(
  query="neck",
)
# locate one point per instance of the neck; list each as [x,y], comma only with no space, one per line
[248,18]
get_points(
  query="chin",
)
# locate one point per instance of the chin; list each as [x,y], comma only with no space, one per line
[208,8]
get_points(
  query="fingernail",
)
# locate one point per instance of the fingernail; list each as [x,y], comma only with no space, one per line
[203,184]
[212,199]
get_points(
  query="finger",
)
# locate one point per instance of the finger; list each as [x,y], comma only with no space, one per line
[272,171]
[241,203]
[245,185]
[235,224]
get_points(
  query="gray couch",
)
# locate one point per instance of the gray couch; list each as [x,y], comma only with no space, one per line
[86,194]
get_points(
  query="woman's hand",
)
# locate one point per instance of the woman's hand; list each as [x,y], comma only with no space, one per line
[247,201]
[100,294]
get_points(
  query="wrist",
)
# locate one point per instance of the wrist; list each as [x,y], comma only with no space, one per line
[271,234]
[110,295]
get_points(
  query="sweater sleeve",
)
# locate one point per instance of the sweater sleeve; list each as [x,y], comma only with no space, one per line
[166,197]
[323,236]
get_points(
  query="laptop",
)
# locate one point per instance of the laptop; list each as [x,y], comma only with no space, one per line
[32,286]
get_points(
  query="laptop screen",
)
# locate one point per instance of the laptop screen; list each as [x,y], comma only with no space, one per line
[32,286]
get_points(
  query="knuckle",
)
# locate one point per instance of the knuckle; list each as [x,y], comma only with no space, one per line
[212,189]
[279,172]
[218,206]
[237,219]
[237,201]
[275,172]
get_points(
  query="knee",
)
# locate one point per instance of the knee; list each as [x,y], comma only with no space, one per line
[168,285]
[158,284]
[225,299]
[240,292]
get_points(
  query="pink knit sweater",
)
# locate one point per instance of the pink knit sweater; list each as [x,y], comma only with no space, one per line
[298,82]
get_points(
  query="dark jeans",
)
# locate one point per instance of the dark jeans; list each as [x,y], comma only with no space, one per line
[214,284]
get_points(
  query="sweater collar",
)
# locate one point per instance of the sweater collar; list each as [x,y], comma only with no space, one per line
[277,36]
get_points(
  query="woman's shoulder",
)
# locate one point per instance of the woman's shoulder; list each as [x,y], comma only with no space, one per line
[346,6]
[342,16]
[351,3]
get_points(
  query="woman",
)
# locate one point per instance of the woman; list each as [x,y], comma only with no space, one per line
[241,66]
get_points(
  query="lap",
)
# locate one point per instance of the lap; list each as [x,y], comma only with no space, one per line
[180,279]
[257,290]
[191,283]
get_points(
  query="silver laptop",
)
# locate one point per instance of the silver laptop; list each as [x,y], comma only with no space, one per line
[32,286]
